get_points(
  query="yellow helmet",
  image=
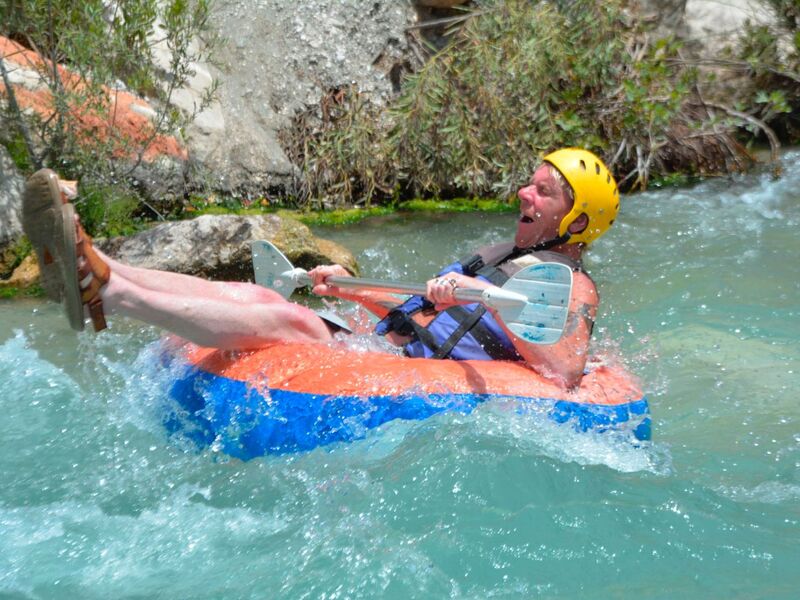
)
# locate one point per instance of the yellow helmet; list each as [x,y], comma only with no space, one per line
[596,192]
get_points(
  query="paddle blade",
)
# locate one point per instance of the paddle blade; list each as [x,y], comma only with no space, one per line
[270,267]
[548,287]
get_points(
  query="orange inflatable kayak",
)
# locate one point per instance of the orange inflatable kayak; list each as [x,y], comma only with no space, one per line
[290,397]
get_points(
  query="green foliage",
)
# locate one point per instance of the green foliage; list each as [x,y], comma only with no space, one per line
[105,47]
[674,180]
[348,216]
[18,152]
[478,114]
[346,157]
[772,56]
[8,293]
[338,217]
[520,79]
[416,205]
[21,248]
[225,205]
[108,210]
[13,256]
[486,205]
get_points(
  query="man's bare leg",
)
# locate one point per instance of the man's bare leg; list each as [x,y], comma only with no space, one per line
[212,314]
[213,321]
[188,285]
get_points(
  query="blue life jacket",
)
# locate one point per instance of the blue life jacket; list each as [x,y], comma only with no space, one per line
[466,332]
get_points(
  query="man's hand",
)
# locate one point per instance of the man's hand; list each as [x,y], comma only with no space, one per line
[441,290]
[320,274]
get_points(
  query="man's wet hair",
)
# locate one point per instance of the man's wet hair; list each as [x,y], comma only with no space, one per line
[569,193]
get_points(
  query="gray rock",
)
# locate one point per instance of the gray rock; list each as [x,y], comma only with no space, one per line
[281,58]
[709,25]
[667,15]
[218,247]
[12,185]
[162,182]
[713,24]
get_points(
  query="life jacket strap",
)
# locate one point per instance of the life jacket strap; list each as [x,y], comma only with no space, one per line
[470,323]
[493,274]
[403,323]
[474,264]
[424,335]
[466,321]
[400,322]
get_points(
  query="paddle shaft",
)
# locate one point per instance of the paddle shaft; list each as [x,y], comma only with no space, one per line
[533,303]
[417,289]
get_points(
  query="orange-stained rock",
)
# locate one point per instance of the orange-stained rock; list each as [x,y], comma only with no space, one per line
[126,118]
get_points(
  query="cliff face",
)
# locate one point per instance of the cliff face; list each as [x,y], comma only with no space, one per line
[281,58]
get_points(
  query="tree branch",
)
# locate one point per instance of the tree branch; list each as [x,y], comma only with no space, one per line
[17,115]
[774,143]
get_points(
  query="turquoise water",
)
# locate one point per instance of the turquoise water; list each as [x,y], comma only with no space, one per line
[699,298]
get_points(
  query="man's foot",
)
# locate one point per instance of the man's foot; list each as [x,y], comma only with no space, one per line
[92,273]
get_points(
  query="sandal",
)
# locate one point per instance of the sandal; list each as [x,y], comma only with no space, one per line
[70,268]
[42,222]
[91,274]
[84,274]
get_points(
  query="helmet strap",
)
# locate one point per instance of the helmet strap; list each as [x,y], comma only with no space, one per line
[562,239]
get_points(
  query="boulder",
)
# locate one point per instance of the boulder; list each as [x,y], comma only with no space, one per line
[708,25]
[218,246]
[12,185]
[712,25]
[24,276]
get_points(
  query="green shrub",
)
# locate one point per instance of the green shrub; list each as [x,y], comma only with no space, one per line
[525,78]
[107,210]
[15,145]
[770,56]
[345,157]
[519,79]
[13,255]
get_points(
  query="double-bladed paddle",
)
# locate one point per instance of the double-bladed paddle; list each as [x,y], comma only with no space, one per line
[533,303]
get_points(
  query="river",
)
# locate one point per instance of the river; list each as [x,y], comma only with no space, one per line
[699,290]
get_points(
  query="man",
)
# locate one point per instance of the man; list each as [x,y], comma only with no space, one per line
[571,200]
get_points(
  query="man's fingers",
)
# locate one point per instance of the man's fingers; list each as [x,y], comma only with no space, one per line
[444,289]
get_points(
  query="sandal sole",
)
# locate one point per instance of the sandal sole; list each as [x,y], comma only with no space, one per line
[67,251]
[42,222]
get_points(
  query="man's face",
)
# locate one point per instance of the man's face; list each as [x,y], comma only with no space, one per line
[544,204]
